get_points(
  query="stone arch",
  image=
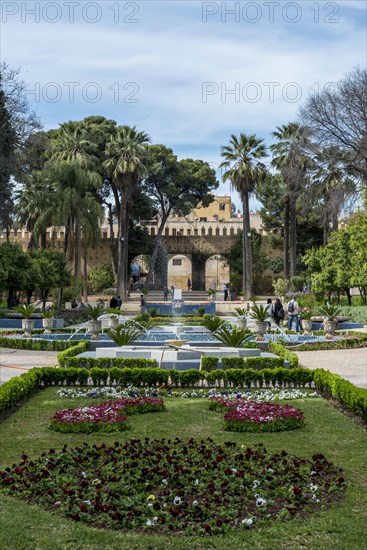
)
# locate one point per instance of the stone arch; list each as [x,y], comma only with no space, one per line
[179,270]
[216,272]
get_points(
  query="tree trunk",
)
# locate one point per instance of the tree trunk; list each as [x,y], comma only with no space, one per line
[292,238]
[113,247]
[77,248]
[85,272]
[286,238]
[156,248]
[247,246]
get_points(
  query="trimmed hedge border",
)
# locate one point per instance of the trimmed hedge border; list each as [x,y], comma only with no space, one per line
[65,356]
[345,343]
[284,353]
[209,363]
[108,362]
[13,392]
[43,345]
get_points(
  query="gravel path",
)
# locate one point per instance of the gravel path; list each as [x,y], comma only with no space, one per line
[14,362]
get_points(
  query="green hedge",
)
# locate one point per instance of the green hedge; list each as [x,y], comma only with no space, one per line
[109,362]
[210,364]
[65,356]
[284,353]
[344,343]
[19,388]
[37,344]
[351,397]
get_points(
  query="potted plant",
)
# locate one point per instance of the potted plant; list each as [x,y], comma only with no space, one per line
[260,315]
[306,315]
[48,319]
[211,292]
[27,323]
[95,325]
[241,314]
[242,294]
[330,314]
[113,317]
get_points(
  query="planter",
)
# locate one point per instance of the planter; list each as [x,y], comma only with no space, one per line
[261,327]
[329,328]
[47,324]
[95,327]
[27,326]
[242,323]
[113,323]
[307,326]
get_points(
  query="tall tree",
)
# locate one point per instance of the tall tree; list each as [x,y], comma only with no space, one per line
[291,159]
[126,162]
[175,187]
[243,168]
[338,118]
[7,147]
[71,206]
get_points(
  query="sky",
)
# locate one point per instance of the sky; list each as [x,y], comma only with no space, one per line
[189,73]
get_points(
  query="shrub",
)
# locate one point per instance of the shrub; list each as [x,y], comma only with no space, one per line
[201,311]
[73,350]
[212,322]
[125,334]
[208,364]
[101,277]
[233,336]
[284,353]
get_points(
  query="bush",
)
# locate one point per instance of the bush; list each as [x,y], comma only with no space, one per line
[284,353]
[76,349]
[208,364]
[38,344]
[101,277]
[201,311]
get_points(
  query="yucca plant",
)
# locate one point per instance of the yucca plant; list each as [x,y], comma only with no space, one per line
[26,310]
[260,313]
[213,322]
[125,334]
[233,336]
[240,312]
[94,312]
[48,313]
[330,312]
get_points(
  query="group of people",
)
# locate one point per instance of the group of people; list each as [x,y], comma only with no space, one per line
[115,302]
[276,312]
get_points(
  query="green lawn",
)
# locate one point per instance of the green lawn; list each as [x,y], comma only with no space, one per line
[327,431]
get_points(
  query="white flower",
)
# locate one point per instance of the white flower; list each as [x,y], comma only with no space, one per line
[196,482]
[149,522]
[247,521]
[195,503]
[177,500]
[260,501]
[164,481]
[149,504]
[270,470]
[234,470]
[87,502]
[314,488]
[256,484]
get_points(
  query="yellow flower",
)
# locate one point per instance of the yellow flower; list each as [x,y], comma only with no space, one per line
[151,497]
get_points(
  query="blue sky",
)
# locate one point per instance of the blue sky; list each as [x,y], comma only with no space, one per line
[188,73]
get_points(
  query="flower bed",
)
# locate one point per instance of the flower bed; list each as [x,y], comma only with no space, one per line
[118,392]
[106,417]
[174,486]
[257,416]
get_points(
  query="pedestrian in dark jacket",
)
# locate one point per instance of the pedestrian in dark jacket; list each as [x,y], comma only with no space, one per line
[278,311]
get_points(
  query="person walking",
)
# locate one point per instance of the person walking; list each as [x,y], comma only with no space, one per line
[225,291]
[165,293]
[188,284]
[269,307]
[278,311]
[293,314]
[143,303]
[113,302]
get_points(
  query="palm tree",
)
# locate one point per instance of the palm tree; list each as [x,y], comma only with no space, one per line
[72,143]
[31,201]
[244,169]
[291,159]
[126,162]
[71,206]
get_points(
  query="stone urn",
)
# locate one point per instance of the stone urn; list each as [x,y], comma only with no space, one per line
[242,323]
[27,326]
[47,324]
[261,328]
[329,328]
[113,322]
[95,327]
[307,326]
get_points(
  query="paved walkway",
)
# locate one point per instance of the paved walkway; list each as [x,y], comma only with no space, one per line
[14,362]
[351,364]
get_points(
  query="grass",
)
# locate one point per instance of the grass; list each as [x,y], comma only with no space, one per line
[326,431]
